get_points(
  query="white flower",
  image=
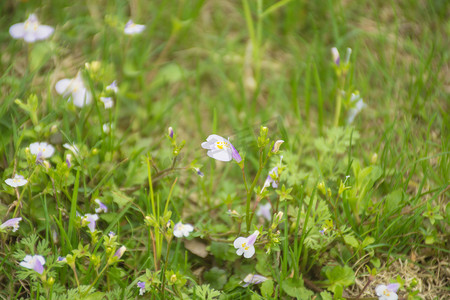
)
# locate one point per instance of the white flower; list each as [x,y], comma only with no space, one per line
[358,103]
[388,292]
[113,87]
[131,28]
[253,279]
[90,219]
[35,262]
[107,101]
[245,245]
[272,179]
[14,223]
[42,150]
[181,230]
[18,180]
[102,207]
[220,149]
[265,211]
[31,31]
[76,89]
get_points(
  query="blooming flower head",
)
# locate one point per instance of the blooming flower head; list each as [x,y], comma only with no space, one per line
[387,292]
[30,30]
[62,259]
[90,219]
[18,180]
[265,211]
[14,223]
[35,262]
[181,229]
[220,149]
[272,179]
[120,252]
[42,150]
[132,29]
[111,234]
[113,87]
[141,286]
[335,54]
[358,103]
[102,207]
[245,245]
[253,279]
[76,89]
[107,101]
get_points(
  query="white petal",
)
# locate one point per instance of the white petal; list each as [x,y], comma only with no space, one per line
[249,253]
[26,265]
[222,155]
[239,251]
[239,241]
[207,145]
[44,31]
[41,259]
[49,150]
[62,86]
[30,37]
[178,233]
[17,31]
[10,182]
[189,227]
[379,289]
[82,97]
[34,148]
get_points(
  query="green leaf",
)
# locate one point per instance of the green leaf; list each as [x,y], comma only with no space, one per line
[216,278]
[120,198]
[339,276]
[295,288]
[267,288]
[351,240]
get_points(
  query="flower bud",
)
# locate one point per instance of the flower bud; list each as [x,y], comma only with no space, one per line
[279,216]
[335,54]
[374,158]
[69,160]
[173,278]
[277,145]
[51,281]
[170,131]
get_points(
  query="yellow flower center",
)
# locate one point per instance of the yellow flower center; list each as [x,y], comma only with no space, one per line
[222,145]
[244,245]
[386,293]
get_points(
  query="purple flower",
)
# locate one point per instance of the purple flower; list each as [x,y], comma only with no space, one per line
[265,211]
[102,207]
[245,245]
[170,131]
[388,292]
[253,279]
[113,87]
[272,179]
[220,149]
[35,262]
[42,150]
[62,259]
[131,28]
[199,173]
[141,286]
[69,160]
[14,223]
[111,234]
[91,219]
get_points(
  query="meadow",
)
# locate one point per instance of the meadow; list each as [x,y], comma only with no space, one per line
[211,149]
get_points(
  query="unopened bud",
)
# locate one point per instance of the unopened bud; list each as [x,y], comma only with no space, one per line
[335,54]
[170,131]
[374,158]
[173,278]
[277,145]
[279,216]
[51,281]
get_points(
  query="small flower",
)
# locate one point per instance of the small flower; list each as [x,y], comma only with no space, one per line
[265,211]
[272,179]
[35,262]
[90,219]
[120,252]
[113,87]
[41,150]
[388,292]
[358,104]
[141,286]
[31,31]
[132,29]
[170,132]
[335,54]
[14,223]
[62,259]
[69,160]
[76,89]
[72,148]
[279,216]
[199,173]
[107,101]
[181,230]
[253,279]
[277,145]
[17,181]
[111,234]
[102,207]
[220,149]
[245,245]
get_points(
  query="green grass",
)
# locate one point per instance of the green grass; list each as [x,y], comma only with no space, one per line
[228,67]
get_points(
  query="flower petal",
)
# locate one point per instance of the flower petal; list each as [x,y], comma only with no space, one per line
[44,31]
[249,253]
[62,85]
[17,31]
[30,37]
[222,155]
[239,241]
